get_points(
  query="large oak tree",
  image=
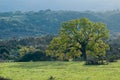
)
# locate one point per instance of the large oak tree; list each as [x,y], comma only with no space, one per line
[80,38]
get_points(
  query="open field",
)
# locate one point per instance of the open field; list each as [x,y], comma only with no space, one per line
[59,71]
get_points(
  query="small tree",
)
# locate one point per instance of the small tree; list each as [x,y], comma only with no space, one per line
[80,37]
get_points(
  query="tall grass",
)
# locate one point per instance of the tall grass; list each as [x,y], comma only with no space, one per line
[59,71]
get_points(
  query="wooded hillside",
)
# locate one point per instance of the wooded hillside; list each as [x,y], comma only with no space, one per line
[20,24]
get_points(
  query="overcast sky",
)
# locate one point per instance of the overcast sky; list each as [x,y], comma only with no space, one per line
[76,5]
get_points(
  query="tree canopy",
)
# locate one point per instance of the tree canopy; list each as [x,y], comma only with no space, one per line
[80,38]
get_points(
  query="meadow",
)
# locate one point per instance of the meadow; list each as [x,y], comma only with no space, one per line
[47,70]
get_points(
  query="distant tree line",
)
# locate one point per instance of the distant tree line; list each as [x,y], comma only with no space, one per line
[21,24]
[25,49]
[114,53]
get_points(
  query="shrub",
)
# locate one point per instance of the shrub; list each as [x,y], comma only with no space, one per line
[91,60]
[35,56]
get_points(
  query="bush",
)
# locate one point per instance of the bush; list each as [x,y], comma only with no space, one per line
[35,56]
[111,58]
[98,60]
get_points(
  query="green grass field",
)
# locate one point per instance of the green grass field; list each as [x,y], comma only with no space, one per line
[59,70]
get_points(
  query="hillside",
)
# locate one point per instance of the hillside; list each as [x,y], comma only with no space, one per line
[21,24]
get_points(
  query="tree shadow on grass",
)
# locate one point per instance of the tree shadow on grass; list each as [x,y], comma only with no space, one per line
[2,78]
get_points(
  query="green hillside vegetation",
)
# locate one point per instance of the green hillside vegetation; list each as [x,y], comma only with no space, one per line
[59,71]
[79,39]
[21,24]
[18,49]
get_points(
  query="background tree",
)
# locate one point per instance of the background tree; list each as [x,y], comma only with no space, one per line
[4,53]
[14,49]
[81,36]
[114,53]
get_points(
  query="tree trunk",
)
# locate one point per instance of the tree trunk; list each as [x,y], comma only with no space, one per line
[83,50]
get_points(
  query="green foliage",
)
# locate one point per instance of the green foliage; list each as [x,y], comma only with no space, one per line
[15,49]
[114,52]
[64,48]
[4,53]
[24,50]
[21,24]
[80,37]
[34,56]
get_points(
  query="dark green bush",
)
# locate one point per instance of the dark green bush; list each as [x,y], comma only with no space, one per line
[35,56]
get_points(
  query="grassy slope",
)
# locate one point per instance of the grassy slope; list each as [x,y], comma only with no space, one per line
[60,71]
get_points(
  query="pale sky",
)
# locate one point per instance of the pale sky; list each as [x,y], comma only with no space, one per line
[76,5]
